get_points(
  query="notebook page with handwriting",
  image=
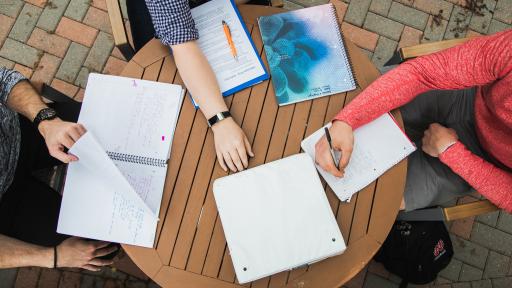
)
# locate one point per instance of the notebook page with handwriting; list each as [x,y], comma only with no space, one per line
[378,146]
[99,203]
[134,121]
[132,116]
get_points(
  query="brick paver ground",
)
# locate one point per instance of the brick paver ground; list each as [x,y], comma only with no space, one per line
[60,42]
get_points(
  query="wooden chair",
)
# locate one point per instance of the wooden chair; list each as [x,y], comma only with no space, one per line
[462,210]
[119,30]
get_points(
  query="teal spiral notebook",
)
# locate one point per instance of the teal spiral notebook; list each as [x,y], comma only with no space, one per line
[306,54]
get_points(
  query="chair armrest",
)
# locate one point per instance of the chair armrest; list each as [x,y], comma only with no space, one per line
[470,209]
[118,29]
[277,3]
[428,48]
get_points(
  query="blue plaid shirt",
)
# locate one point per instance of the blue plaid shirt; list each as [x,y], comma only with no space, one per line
[172,21]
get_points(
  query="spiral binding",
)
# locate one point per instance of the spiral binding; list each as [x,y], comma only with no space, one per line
[342,41]
[136,159]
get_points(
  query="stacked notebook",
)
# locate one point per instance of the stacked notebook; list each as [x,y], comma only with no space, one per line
[306,54]
[114,191]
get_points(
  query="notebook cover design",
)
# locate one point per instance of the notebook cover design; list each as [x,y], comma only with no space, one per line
[306,54]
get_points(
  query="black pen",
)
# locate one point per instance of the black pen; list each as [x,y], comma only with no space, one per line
[328,135]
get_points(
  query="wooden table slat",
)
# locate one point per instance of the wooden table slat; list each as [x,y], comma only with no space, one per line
[180,140]
[152,52]
[181,189]
[133,70]
[152,71]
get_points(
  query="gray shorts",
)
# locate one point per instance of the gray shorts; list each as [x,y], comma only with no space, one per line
[429,181]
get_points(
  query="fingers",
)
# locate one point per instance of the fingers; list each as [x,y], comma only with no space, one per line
[100,262]
[81,129]
[105,251]
[242,156]
[100,244]
[329,165]
[324,159]
[62,156]
[345,157]
[91,268]
[74,134]
[229,161]
[222,163]
[67,141]
[248,147]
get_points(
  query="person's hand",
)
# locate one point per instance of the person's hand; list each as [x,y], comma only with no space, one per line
[437,139]
[231,145]
[342,139]
[79,253]
[58,135]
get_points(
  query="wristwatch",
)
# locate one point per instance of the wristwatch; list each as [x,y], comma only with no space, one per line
[218,117]
[45,114]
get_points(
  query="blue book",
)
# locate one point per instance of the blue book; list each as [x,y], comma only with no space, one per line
[233,73]
[306,54]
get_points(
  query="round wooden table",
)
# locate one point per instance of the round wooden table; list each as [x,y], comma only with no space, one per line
[190,248]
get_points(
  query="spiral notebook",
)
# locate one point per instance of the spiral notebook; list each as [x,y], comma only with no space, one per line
[133,124]
[378,146]
[276,217]
[306,54]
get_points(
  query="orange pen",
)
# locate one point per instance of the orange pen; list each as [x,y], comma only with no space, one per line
[227,31]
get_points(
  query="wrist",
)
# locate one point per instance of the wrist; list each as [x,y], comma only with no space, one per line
[221,123]
[43,126]
[447,146]
[46,257]
[341,124]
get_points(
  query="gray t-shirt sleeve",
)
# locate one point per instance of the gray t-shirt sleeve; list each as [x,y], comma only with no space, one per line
[8,78]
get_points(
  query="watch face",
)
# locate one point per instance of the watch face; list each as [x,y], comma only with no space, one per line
[48,114]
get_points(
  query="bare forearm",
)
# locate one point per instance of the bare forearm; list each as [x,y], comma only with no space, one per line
[199,78]
[25,100]
[16,253]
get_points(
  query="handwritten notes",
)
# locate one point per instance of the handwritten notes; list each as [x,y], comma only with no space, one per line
[378,146]
[99,203]
[114,191]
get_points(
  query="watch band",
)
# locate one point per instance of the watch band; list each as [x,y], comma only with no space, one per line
[218,117]
[45,114]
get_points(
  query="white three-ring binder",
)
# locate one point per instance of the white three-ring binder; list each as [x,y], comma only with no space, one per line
[276,217]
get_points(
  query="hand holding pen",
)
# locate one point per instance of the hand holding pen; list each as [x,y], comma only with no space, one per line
[341,139]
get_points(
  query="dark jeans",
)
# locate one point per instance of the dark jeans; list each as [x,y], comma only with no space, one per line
[29,210]
[429,181]
[142,26]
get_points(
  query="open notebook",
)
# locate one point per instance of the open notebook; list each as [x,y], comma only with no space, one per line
[132,121]
[232,75]
[276,217]
[378,146]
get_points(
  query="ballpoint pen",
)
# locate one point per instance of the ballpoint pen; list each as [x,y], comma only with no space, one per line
[328,135]
[227,31]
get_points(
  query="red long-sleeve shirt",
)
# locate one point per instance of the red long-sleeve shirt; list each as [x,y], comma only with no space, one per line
[484,62]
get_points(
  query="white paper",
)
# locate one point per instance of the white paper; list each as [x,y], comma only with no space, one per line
[99,203]
[276,217]
[137,118]
[131,116]
[378,146]
[230,73]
